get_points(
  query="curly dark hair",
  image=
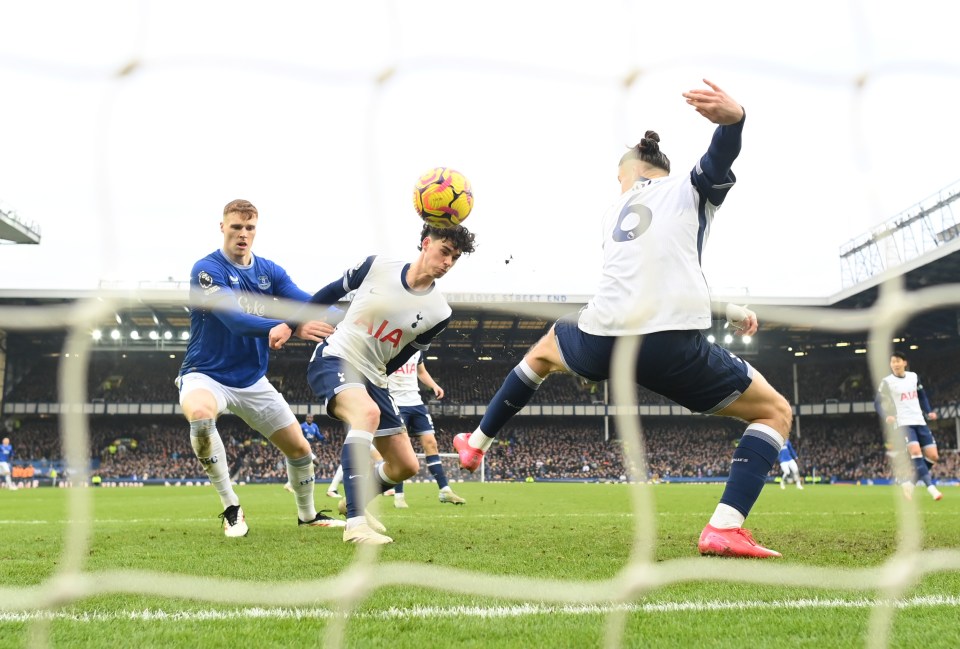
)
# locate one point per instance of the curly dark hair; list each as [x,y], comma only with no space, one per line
[648,150]
[461,238]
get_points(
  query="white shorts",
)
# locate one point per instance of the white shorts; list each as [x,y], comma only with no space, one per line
[261,406]
[4,468]
[790,468]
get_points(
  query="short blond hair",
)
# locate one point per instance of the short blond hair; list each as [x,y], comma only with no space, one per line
[241,207]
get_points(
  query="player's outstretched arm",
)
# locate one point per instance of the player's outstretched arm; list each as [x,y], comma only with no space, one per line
[714,104]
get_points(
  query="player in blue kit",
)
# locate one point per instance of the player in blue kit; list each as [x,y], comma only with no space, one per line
[396,310]
[404,386]
[225,366]
[902,402]
[653,286]
[6,463]
[788,465]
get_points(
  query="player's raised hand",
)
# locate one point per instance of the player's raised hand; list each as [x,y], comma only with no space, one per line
[315,330]
[715,104]
[279,335]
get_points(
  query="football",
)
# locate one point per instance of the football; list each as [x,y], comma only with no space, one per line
[443,197]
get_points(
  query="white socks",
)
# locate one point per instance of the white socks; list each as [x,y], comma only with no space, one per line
[300,472]
[208,447]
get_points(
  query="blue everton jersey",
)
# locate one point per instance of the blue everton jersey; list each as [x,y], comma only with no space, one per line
[6,452]
[231,346]
[787,452]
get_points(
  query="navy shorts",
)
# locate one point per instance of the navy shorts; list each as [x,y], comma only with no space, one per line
[417,420]
[920,434]
[680,365]
[329,375]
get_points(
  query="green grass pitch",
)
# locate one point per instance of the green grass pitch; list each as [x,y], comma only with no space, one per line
[577,533]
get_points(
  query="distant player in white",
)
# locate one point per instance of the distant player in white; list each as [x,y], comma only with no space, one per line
[404,386]
[788,465]
[6,461]
[901,401]
[225,366]
[396,310]
[652,285]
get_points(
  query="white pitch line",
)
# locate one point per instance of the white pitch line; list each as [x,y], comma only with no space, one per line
[496,516]
[436,612]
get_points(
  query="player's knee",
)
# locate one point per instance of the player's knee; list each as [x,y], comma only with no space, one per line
[782,415]
[369,417]
[201,411]
[408,468]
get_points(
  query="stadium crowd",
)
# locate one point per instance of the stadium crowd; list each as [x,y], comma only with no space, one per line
[148,378]
[847,447]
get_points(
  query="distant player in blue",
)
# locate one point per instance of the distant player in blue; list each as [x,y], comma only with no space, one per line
[652,285]
[902,402]
[788,464]
[311,431]
[6,461]
[226,364]
[396,310]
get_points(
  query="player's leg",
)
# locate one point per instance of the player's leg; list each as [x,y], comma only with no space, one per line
[267,412]
[354,406]
[399,497]
[335,483]
[704,377]
[915,437]
[301,475]
[398,459]
[931,455]
[202,400]
[5,472]
[785,469]
[431,453]
[769,418]
[518,388]
[795,468]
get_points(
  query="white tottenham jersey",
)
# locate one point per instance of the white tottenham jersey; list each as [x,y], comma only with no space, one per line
[404,385]
[902,393]
[383,318]
[652,280]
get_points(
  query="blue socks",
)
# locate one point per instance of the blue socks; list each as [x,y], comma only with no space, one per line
[513,395]
[923,472]
[752,461]
[355,460]
[436,470]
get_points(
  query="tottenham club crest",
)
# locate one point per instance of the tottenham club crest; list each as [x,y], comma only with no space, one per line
[263,282]
[205,280]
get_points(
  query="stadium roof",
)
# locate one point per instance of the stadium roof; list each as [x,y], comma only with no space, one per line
[504,325]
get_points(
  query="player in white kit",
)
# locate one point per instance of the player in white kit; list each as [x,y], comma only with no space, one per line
[396,310]
[652,286]
[404,386]
[902,402]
